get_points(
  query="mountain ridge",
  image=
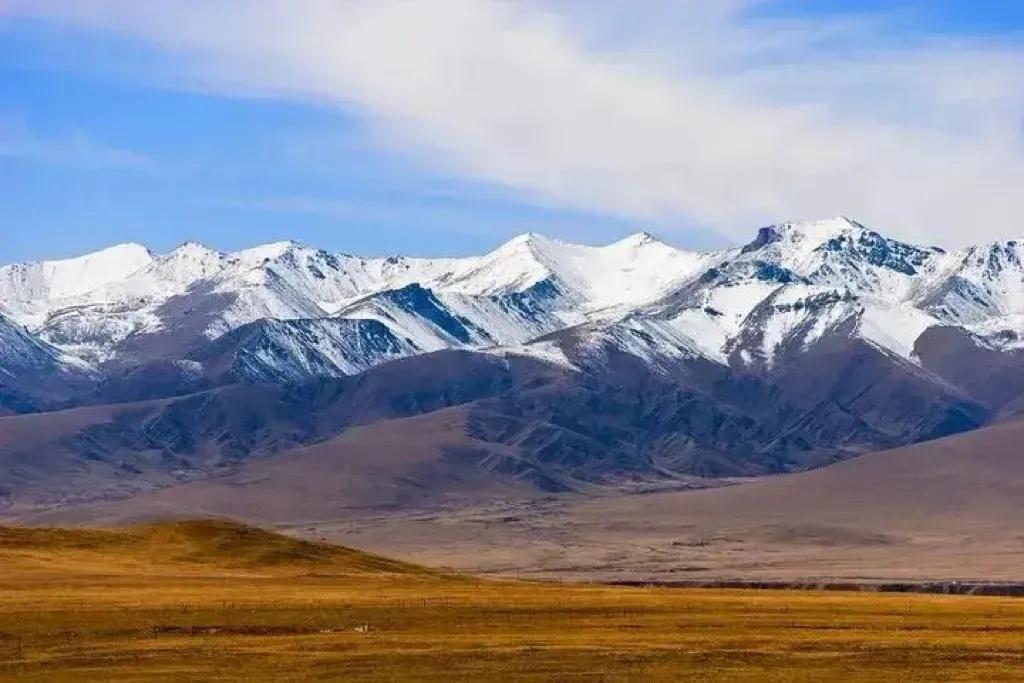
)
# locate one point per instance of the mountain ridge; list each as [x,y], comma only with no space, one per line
[575,365]
[792,285]
[633,276]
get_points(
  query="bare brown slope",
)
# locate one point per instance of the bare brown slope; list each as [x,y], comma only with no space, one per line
[961,482]
[405,463]
[946,509]
[42,429]
[44,446]
[72,456]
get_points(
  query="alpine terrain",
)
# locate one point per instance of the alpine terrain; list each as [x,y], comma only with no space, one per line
[539,367]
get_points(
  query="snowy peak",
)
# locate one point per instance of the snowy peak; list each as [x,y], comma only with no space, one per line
[163,276]
[872,248]
[518,264]
[639,244]
[28,289]
[840,252]
[119,259]
[189,262]
[637,269]
[804,236]
[1001,261]
[637,239]
[805,245]
[819,232]
[980,282]
[266,252]
[793,284]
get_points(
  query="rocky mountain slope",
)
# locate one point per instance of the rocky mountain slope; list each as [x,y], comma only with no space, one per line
[569,365]
[943,510]
[35,375]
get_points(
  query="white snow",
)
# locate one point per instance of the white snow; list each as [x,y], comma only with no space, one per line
[324,347]
[988,279]
[547,351]
[256,256]
[895,328]
[755,301]
[1005,333]
[30,290]
[632,271]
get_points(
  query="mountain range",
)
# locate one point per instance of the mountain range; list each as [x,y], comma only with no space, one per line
[539,366]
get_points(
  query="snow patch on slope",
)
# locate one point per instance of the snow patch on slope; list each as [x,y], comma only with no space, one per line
[894,327]
[548,351]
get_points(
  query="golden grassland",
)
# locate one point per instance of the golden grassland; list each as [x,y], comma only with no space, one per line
[220,601]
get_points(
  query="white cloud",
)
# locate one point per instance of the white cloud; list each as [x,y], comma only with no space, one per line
[73,147]
[691,113]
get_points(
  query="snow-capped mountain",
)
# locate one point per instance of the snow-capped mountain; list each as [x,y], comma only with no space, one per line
[146,306]
[558,364]
[795,283]
[31,291]
[296,350]
[289,311]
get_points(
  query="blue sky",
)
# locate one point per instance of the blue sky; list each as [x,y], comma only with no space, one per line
[130,161]
[921,16]
[115,128]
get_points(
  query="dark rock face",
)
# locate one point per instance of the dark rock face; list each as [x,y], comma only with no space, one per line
[765,236]
[422,302]
[288,351]
[158,378]
[534,302]
[32,374]
[872,248]
[993,377]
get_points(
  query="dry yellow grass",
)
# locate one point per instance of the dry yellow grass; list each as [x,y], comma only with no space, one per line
[217,601]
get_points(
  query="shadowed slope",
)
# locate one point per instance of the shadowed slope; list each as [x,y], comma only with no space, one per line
[392,464]
[941,510]
[961,483]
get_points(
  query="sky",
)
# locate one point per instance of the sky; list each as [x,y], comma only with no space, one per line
[447,126]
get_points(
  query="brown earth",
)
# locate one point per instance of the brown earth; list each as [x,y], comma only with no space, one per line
[947,509]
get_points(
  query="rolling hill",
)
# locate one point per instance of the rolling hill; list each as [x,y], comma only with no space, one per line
[218,601]
[194,546]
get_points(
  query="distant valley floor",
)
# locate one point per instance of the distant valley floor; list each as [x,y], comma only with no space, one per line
[652,538]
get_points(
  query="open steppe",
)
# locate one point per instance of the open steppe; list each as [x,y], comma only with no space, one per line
[220,601]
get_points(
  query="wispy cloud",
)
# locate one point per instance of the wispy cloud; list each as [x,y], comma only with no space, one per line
[72,147]
[693,112]
[325,206]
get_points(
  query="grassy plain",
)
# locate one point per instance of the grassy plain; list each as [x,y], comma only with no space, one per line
[219,601]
